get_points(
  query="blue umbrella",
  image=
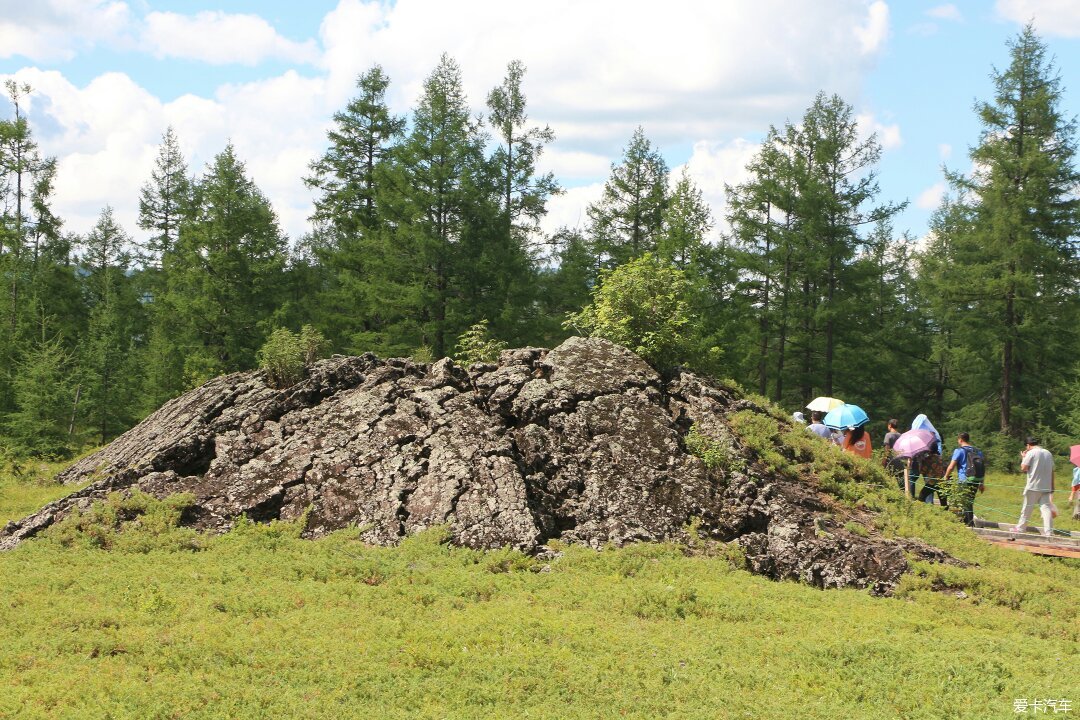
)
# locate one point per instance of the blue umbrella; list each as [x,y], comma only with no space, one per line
[846,416]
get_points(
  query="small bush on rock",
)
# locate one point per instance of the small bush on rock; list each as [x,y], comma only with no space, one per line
[286,354]
[643,306]
[477,345]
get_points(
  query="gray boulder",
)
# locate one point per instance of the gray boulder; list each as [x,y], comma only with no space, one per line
[584,443]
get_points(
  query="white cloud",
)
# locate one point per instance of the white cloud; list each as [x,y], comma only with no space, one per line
[694,71]
[873,33]
[944,151]
[887,135]
[931,197]
[107,134]
[219,38]
[712,165]
[945,12]
[573,165]
[48,30]
[568,210]
[1051,17]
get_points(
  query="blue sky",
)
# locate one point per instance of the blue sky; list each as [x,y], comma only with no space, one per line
[704,80]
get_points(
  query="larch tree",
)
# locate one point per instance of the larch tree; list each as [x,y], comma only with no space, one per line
[1012,266]
[226,277]
[440,191]
[348,218]
[627,220]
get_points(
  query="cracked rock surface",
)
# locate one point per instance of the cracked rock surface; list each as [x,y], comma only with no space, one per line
[584,443]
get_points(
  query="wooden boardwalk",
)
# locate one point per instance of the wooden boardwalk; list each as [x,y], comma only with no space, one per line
[1060,544]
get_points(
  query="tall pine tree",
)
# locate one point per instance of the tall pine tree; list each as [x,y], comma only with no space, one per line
[1005,261]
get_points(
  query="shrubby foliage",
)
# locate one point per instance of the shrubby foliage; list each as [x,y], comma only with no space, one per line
[642,305]
[285,354]
[477,345]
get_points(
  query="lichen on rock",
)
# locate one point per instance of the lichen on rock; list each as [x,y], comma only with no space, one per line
[583,443]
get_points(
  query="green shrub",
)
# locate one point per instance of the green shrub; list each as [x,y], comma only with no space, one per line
[285,355]
[644,306]
[713,453]
[133,523]
[423,354]
[477,345]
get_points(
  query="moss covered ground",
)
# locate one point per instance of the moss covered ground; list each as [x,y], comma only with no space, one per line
[122,614]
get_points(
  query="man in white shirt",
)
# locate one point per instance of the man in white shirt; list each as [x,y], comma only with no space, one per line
[1038,463]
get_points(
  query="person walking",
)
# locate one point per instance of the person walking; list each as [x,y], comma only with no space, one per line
[857,442]
[912,473]
[967,460]
[816,425]
[932,469]
[1038,463]
[1074,494]
[893,464]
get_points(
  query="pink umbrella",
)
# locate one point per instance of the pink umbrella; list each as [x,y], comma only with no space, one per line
[914,442]
[1074,455]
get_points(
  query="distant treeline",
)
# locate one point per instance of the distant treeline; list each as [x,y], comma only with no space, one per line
[425,225]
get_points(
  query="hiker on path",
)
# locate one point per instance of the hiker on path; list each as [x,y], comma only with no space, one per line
[968,462]
[1074,496]
[912,473]
[816,425]
[1038,463]
[857,442]
[798,417]
[893,464]
[932,470]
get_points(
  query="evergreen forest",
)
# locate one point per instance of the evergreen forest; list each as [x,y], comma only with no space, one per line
[426,228]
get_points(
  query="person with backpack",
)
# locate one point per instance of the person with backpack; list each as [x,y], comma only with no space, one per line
[970,465]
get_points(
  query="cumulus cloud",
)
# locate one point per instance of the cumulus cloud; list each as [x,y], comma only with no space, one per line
[705,74]
[568,210]
[1051,17]
[49,30]
[695,69]
[712,166]
[945,12]
[888,135]
[875,30]
[931,197]
[219,38]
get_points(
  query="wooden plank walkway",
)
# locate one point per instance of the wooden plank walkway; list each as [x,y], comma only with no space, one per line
[1037,549]
[1058,545]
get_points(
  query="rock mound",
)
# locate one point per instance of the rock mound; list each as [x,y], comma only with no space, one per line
[585,443]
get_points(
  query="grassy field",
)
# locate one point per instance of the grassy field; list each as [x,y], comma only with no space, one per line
[157,622]
[24,492]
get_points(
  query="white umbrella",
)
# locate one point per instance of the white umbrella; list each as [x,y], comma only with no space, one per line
[824,404]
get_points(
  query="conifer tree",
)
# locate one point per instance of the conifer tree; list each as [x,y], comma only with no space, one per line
[106,356]
[627,220]
[685,223]
[523,192]
[164,200]
[342,256]
[442,166]
[347,174]
[226,277]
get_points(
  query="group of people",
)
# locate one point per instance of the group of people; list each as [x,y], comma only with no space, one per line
[854,440]
[966,461]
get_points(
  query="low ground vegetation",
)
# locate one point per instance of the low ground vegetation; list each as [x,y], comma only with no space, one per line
[121,613]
